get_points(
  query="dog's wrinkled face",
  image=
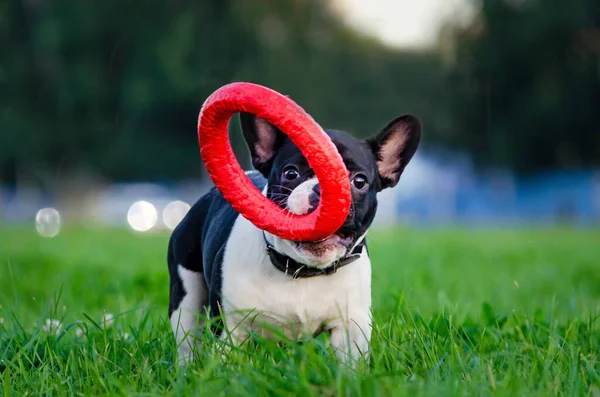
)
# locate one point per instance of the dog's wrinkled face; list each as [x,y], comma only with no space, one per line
[374,164]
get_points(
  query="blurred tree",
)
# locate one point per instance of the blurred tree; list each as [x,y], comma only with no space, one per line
[114,88]
[526,84]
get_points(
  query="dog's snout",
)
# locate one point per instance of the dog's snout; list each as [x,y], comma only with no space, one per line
[314,197]
[304,198]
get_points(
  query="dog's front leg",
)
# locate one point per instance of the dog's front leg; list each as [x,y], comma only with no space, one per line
[234,335]
[189,297]
[350,339]
[185,325]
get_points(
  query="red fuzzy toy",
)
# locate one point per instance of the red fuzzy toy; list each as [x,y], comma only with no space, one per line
[307,135]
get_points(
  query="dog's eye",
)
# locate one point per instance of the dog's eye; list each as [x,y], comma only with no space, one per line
[291,172]
[360,181]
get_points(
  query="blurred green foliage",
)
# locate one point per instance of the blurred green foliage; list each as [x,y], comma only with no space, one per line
[113,88]
[527,75]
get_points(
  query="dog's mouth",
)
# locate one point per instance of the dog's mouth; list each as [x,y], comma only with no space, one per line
[334,240]
[328,249]
[317,253]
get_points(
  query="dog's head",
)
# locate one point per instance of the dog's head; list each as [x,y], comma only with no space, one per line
[374,164]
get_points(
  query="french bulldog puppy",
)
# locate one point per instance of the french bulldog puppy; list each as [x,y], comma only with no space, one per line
[221,265]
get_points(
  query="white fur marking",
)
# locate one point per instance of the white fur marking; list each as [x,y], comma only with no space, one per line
[298,201]
[185,320]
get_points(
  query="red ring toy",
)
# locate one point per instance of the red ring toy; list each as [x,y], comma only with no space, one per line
[307,135]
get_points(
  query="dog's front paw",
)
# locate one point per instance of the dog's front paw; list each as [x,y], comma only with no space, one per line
[188,349]
[231,339]
[186,353]
[351,341]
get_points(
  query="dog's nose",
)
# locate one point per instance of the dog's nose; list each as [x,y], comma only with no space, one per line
[314,197]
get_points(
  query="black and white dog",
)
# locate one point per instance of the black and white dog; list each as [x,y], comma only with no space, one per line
[220,264]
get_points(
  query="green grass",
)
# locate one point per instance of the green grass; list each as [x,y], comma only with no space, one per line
[455,312]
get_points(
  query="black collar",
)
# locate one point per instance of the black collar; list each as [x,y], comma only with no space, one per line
[298,270]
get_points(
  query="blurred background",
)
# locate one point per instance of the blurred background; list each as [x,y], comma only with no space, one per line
[99,102]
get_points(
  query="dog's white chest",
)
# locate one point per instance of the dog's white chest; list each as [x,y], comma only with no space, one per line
[255,292]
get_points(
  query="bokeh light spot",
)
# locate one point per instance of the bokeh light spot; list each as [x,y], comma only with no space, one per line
[174,213]
[47,222]
[142,216]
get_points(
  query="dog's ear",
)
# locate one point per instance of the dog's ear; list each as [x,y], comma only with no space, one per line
[263,139]
[394,146]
